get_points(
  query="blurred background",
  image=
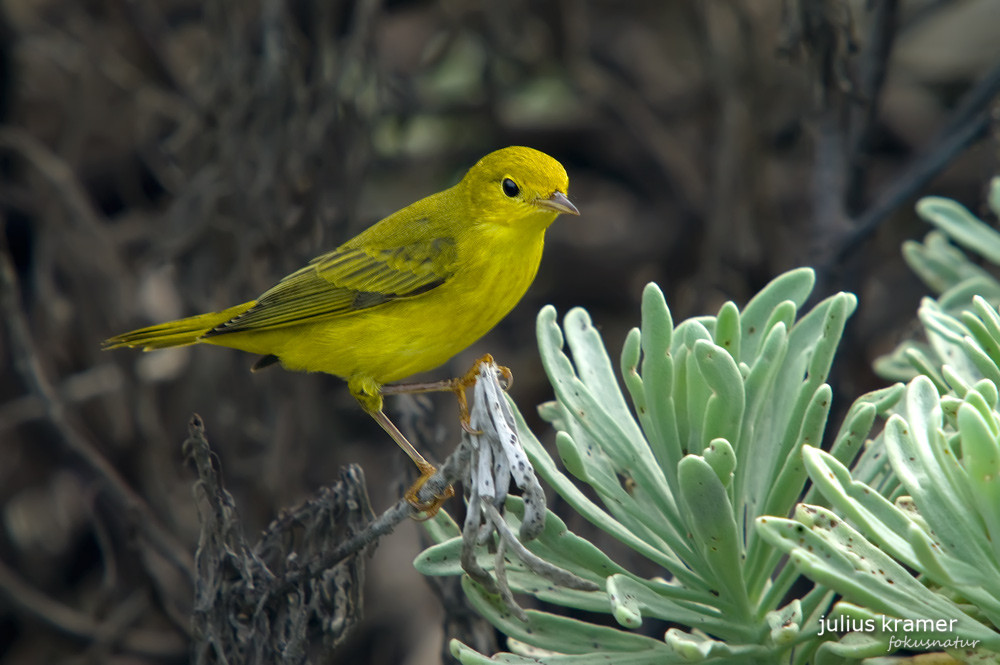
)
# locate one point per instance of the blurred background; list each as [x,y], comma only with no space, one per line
[161,158]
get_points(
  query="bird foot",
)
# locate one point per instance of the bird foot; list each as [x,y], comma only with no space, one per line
[463,383]
[428,509]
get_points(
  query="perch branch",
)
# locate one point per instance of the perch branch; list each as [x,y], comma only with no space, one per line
[449,473]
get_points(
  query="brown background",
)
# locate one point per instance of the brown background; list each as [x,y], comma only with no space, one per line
[163,158]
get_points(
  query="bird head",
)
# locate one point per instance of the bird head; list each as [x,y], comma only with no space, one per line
[518,186]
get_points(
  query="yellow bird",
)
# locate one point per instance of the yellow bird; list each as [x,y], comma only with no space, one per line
[403,296]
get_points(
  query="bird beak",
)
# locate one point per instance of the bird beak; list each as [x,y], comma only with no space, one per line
[557,202]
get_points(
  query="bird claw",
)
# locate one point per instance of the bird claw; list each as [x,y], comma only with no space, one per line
[467,426]
[462,384]
[370,394]
[426,509]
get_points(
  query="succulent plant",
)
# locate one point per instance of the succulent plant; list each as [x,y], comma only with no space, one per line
[723,406]
[958,282]
[700,475]
[925,496]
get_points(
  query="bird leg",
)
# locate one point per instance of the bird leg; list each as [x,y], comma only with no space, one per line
[369,395]
[458,386]
[426,469]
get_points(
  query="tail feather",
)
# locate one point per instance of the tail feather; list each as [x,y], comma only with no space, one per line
[181,332]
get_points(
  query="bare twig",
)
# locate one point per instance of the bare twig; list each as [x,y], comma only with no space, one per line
[908,183]
[257,604]
[29,366]
[67,188]
[829,218]
[973,103]
[361,33]
[968,123]
[260,604]
[730,242]
[147,642]
[79,387]
[873,67]
[602,88]
[449,473]
[151,33]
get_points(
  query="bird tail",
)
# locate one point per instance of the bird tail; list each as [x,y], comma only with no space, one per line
[175,333]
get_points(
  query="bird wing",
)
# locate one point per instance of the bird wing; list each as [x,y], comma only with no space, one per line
[348,280]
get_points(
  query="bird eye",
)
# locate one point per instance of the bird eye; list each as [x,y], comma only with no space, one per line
[510,187]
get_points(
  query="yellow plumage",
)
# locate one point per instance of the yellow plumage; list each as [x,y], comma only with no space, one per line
[406,294]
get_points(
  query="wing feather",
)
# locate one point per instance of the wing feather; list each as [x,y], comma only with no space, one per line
[349,280]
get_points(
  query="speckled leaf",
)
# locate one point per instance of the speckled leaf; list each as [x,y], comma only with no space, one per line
[794,286]
[728,331]
[547,469]
[932,477]
[561,634]
[625,498]
[854,500]
[830,552]
[658,380]
[469,656]
[588,411]
[710,519]
[724,409]
[981,459]
[636,598]
[793,474]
